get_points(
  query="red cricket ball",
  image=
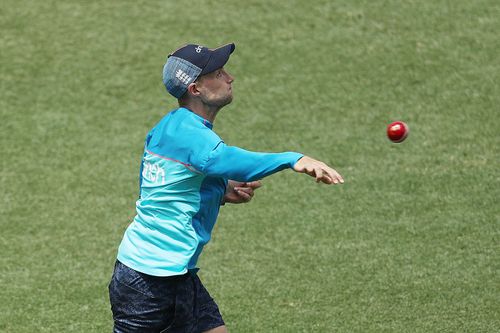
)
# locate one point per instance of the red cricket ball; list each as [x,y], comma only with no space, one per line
[397,131]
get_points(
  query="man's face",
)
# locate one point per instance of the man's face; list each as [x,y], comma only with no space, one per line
[215,88]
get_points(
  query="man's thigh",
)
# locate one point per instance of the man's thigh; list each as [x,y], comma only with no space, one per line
[208,315]
[220,329]
[144,303]
[140,303]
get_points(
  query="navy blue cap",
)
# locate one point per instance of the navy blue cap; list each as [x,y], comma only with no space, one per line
[186,64]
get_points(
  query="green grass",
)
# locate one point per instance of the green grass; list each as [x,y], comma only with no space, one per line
[411,241]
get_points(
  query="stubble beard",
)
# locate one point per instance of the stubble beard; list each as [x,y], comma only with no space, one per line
[219,102]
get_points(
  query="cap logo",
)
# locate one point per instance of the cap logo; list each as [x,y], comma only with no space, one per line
[182,76]
[198,48]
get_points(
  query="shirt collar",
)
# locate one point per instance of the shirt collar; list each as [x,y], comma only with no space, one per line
[200,118]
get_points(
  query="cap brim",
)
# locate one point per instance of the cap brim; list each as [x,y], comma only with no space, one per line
[219,58]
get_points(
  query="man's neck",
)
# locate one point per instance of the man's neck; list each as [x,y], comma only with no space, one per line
[205,111]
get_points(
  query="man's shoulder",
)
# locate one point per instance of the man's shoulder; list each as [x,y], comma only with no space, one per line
[182,136]
[185,125]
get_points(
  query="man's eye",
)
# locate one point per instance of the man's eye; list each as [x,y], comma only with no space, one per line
[219,74]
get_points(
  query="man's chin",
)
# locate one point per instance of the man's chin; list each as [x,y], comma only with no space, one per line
[219,103]
[227,100]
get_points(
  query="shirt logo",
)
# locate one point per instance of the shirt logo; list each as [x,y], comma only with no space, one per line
[198,49]
[182,76]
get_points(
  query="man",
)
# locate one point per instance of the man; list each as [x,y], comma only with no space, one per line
[187,172]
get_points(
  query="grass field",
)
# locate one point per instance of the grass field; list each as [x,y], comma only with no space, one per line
[411,241]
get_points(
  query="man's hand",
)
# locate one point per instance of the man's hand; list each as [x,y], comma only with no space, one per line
[238,192]
[319,170]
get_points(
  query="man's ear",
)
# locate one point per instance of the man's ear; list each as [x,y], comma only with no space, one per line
[193,89]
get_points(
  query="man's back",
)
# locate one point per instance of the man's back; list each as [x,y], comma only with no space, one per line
[178,204]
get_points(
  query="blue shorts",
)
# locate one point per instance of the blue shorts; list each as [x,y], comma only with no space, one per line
[145,303]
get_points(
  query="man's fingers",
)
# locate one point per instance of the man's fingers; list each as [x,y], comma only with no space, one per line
[327,179]
[328,175]
[244,191]
[335,177]
[319,170]
[255,184]
[338,177]
[318,173]
[244,195]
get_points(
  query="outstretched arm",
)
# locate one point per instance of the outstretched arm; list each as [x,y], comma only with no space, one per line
[246,166]
[243,165]
[319,170]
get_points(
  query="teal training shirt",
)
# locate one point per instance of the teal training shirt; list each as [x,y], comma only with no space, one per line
[183,178]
